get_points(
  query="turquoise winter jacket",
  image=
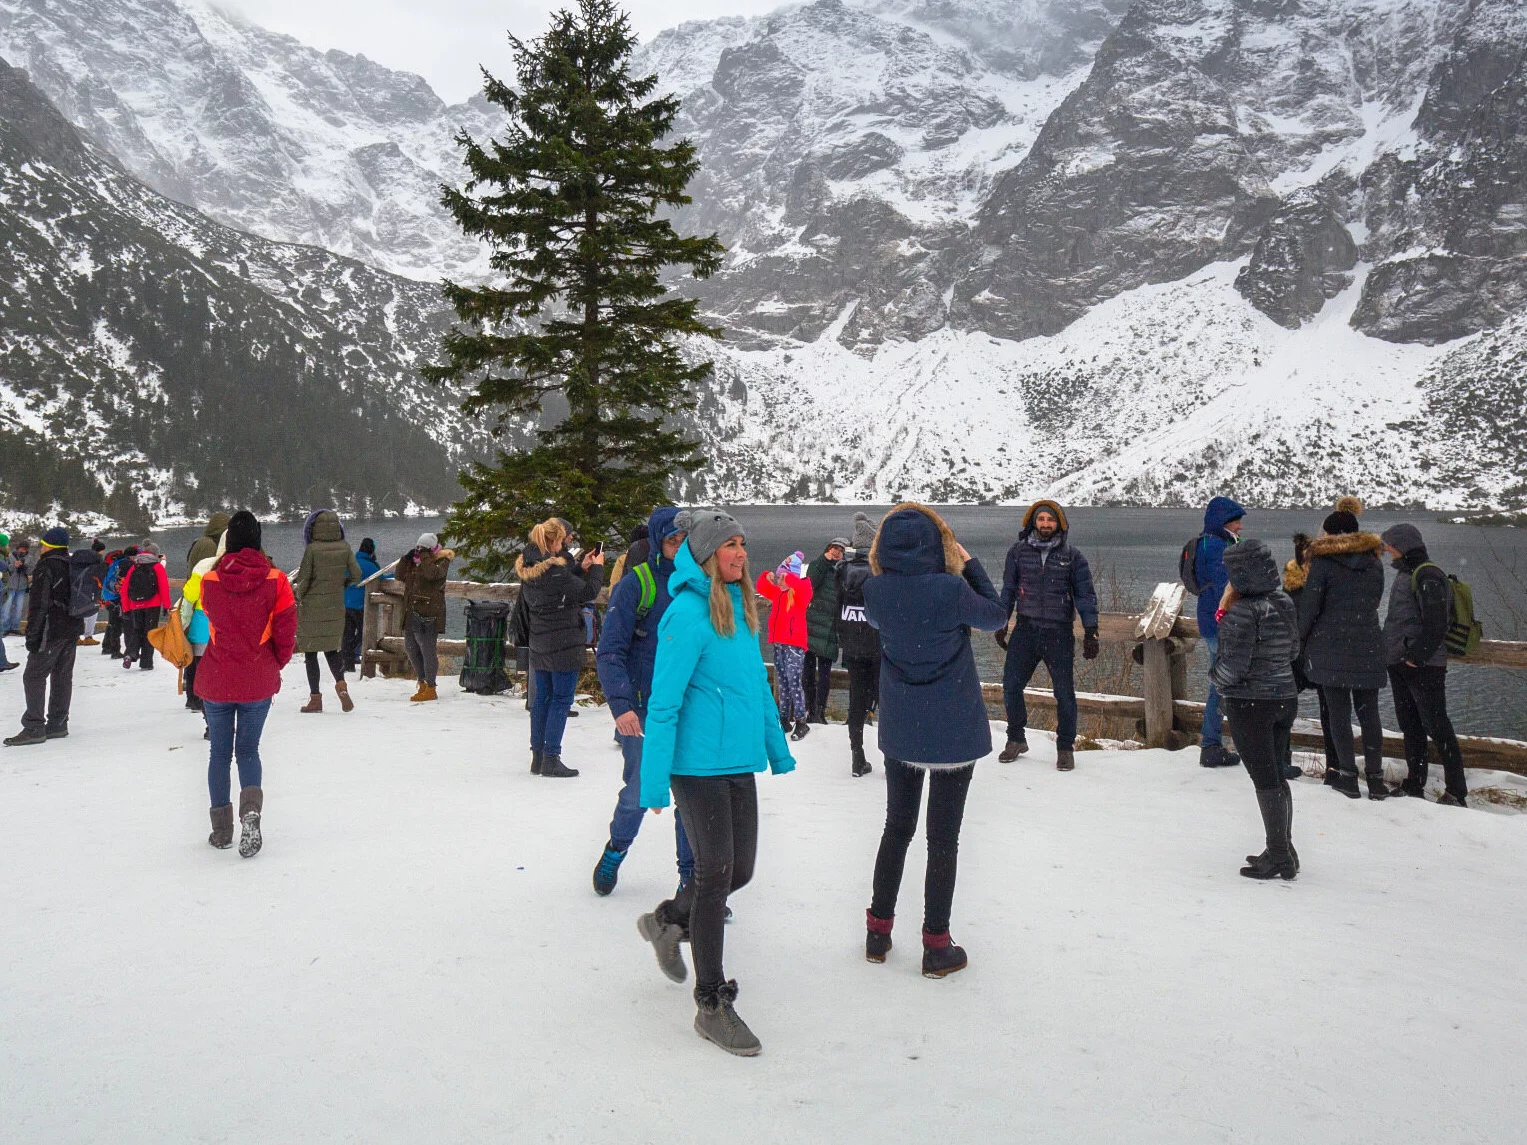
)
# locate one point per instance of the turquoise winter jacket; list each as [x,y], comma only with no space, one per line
[711,711]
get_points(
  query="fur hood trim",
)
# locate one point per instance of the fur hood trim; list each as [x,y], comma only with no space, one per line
[953,563]
[538,565]
[1054,507]
[1294,576]
[1345,543]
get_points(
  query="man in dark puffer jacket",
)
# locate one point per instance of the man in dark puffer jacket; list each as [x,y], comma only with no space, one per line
[1047,583]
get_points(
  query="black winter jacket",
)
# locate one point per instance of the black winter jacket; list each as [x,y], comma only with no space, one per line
[1048,586]
[859,639]
[1339,633]
[1259,633]
[1417,621]
[48,619]
[555,590]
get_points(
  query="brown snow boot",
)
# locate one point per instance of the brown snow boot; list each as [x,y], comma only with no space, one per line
[425,692]
[314,704]
[222,827]
[346,704]
[251,804]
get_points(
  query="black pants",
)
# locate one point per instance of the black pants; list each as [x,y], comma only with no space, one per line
[136,626]
[193,701]
[1030,644]
[863,697]
[721,819]
[336,668]
[48,680]
[111,643]
[355,618]
[1420,706]
[1261,731]
[1337,715]
[816,681]
[946,811]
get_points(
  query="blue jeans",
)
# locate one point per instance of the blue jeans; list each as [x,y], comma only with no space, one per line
[628,809]
[548,710]
[1029,644]
[235,729]
[1212,717]
[12,611]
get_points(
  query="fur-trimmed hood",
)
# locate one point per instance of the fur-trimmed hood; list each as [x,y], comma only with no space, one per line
[533,563]
[913,540]
[1294,576]
[1348,548]
[1053,507]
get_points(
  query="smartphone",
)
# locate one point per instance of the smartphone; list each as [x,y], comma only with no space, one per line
[598,547]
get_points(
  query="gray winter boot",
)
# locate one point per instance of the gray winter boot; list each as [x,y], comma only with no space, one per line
[665,937]
[251,803]
[1065,759]
[222,827]
[716,1021]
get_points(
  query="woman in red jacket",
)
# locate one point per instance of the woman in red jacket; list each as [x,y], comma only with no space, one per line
[252,617]
[789,594]
[144,593]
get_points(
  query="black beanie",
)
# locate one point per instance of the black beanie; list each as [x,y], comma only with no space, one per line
[1340,522]
[368,546]
[243,532]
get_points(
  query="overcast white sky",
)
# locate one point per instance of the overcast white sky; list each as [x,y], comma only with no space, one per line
[445,40]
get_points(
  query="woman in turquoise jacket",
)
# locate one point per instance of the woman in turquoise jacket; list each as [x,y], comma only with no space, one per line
[710,728]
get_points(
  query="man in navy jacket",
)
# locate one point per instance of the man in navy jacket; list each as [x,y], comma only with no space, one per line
[1222,527]
[627,652]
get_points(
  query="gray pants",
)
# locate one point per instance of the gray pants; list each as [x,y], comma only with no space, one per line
[52,664]
[419,641]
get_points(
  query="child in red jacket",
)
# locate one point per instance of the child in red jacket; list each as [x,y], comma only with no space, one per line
[144,592]
[789,594]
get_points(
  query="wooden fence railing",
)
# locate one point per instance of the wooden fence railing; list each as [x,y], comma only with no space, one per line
[1163,641]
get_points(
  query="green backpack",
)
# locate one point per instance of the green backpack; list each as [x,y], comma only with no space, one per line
[1464,632]
[648,582]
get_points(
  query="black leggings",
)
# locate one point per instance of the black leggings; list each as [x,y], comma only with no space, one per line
[1338,714]
[946,811]
[1420,706]
[816,682]
[1261,731]
[863,695]
[721,819]
[336,668]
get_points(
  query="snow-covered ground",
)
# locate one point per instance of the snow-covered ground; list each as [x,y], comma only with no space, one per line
[417,955]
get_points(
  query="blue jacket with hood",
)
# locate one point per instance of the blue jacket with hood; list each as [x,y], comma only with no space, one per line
[1209,561]
[627,649]
[711,711]
[925,600]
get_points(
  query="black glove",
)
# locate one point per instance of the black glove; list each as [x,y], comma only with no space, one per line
[1090,644]
[1000,636]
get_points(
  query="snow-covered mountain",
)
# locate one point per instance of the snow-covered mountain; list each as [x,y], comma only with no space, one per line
[977,248]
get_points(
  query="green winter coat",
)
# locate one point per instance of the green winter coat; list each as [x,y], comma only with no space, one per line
[328,565]
[822,612]
[206,545]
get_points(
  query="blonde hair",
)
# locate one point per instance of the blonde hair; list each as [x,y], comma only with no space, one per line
[722,617]
[545,535]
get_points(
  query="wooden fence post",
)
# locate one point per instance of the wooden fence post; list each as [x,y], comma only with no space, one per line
[1154,631]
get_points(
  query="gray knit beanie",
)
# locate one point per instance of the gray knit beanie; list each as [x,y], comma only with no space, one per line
[427,541]
[709,529]
[864,532]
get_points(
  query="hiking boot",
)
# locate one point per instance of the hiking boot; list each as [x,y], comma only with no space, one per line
[716,1021]
[551,767]
[1215,755]
[1292,771]
[1346,784]
[9,664]
[58,732]
[786,723]
[802,730]
[222,827]
[251,804]
[607,870]
[346,704]
[87,642]
[1448,799]
[861,765]
[1412,790]
[425,693]
[1377,789]
[24,737]
[1012,750]
[536,758]
[314,704]
[1065,759]
[665,937]
[877,937]
[941,957]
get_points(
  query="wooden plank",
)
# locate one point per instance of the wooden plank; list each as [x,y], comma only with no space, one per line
[1160,613]
[1158,692]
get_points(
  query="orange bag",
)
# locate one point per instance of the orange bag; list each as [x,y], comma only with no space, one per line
[169,640]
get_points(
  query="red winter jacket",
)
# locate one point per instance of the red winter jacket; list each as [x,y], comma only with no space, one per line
[161,600]
[787,614]
[252,616]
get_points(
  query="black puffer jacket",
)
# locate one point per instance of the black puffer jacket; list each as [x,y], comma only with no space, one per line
[822,612]
[555,590]
[859,639]
[1259,633]
[1339,631]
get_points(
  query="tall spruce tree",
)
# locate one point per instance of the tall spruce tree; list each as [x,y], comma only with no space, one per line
[570,201]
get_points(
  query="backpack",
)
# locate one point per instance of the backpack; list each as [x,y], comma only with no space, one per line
[142,583]
[648,581]
[1464,632]
[1187,565]
[84,585]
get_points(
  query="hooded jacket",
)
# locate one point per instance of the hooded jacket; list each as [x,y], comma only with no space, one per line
[192,616]
[1339,633]
[252,622]
[424,576]
[48,619]
[1259,633]
[161,599]
[712,711]
[628,643]
[1416,624]
[555,590]
[206,545]
[788,606]
[859,639]
[1048,582]
[355,595]
[822,612]
[925,599]
[327,567]
[1209,560]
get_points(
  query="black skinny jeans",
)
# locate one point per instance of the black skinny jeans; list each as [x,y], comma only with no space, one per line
[1261,731]
[946,811]
[816,682]
[721,819]
[336,668]
[863,696]
[1420,706]
[1339,703]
